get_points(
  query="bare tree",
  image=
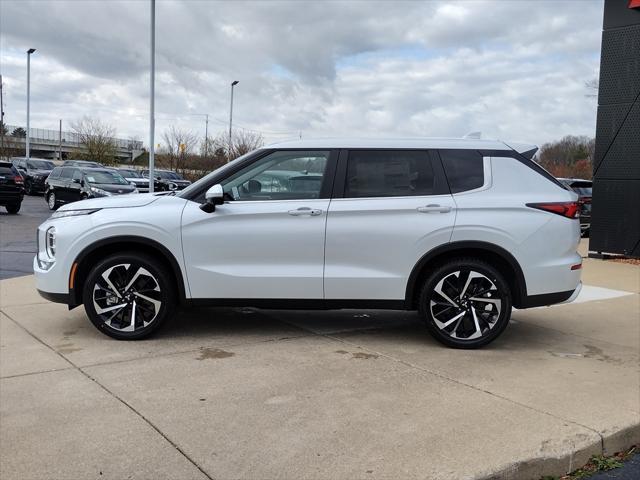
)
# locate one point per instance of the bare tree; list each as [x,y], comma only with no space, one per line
[97,139]
[593,87]
[180,145]
[244,141]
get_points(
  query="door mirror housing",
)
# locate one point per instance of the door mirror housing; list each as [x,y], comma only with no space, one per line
[213,197]
[76,180]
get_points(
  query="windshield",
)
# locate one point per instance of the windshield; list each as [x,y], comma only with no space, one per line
[40,165]
[105,176]
[130,173]
[197,185]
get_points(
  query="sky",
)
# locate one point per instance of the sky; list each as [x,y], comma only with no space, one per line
[514,70]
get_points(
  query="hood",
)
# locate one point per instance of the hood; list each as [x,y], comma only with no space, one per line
[38,171]
[137,180]
[177,182]
[115,188]
[119,201]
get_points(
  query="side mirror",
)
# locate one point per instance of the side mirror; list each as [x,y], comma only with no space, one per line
[76,180]
[213,197]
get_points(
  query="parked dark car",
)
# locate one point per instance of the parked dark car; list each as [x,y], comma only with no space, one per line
[166,180]
[583,188]
[34,171]
[135,176]
[11,187]
[70,184]
[82,163]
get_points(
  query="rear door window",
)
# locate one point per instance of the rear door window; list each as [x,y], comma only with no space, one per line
[464,169]
[392,173]
[67,173]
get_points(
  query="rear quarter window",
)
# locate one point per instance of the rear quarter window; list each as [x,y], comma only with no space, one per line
[464,169]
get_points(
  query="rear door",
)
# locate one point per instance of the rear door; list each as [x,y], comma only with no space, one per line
[390,207]
[61,184]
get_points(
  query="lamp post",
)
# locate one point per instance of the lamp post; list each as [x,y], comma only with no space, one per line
[29,52]
[233,84]
[152,82]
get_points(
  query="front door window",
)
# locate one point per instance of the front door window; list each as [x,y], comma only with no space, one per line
[283,175]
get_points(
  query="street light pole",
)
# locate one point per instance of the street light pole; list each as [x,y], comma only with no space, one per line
[152,119]
[29,52]
[233,84]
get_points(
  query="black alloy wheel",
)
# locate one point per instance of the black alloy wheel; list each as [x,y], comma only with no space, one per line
[128,296]
[466,303]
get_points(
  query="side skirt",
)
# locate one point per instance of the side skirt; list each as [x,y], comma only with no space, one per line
[297,303]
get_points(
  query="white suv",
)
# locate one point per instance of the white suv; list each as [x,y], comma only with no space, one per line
[460,229]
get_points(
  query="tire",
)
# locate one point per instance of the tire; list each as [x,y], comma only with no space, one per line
[51,201]
[14,208]
[457,321]
[152,295]
[28,188]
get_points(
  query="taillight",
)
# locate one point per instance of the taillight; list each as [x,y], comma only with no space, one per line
[566,209]
[18,180]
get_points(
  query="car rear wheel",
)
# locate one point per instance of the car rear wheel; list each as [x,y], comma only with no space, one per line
[14,208]
[28,188]
[465,303]
[52,201]
[128,296]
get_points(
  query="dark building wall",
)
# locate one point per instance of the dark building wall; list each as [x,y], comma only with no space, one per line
[615,226]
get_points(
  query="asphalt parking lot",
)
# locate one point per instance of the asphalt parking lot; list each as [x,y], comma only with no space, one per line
[245,393]
[18,238]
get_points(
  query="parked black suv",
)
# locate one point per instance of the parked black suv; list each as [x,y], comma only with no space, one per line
[11,187]
[70,184]
[583,188]
[34,171]
[166,180]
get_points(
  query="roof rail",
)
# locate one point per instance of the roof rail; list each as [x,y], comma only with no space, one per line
[474,135]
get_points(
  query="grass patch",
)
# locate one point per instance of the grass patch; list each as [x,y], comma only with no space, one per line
[597,463]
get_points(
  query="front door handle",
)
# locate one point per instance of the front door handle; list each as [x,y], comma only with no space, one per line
[312,212]
[434,208]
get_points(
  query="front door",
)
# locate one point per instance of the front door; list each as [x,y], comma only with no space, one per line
[267,239]
[395,206]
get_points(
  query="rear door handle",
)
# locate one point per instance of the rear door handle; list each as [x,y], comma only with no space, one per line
[434,208]
[312,212]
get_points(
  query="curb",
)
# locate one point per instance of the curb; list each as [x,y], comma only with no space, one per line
[538,467]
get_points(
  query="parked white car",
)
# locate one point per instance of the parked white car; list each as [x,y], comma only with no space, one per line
[461,230]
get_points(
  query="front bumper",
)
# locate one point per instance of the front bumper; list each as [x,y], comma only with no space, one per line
[55,297]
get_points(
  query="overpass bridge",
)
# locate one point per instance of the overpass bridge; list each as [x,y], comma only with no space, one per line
[45,143]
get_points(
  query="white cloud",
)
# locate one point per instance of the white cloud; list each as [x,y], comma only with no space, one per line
[514,70]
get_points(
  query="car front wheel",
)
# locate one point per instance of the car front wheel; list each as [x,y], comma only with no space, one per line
[128,296]
[466,303]
[13,208]
[52,201]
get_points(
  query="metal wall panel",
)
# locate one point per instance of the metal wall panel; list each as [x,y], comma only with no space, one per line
[615,220]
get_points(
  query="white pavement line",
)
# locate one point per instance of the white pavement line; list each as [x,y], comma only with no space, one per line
[590,293]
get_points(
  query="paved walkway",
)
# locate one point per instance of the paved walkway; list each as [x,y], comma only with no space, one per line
[241,393]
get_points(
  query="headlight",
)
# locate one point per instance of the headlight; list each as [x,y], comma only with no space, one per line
[73,213]
[100,191]
[50,242]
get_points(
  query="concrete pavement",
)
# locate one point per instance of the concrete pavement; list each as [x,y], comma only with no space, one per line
[243,393]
